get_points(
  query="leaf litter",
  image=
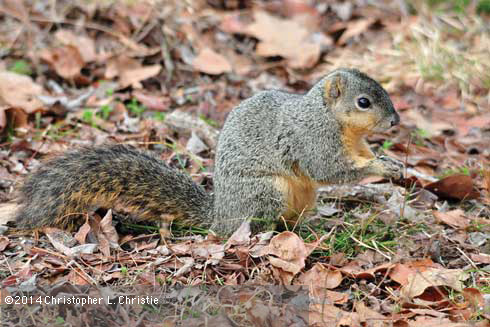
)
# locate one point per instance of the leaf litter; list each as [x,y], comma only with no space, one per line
[164,75]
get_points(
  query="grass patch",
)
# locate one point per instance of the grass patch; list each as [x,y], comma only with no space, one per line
[353,235]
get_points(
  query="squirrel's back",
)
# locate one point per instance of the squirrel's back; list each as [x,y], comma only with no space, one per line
[109,176]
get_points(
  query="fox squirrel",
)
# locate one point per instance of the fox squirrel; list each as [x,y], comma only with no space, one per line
[274,150]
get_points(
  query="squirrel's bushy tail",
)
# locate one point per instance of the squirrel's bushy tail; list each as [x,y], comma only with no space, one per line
[110,176]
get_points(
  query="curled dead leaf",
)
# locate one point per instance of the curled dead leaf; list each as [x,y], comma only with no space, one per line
[210,62]
[419,281]
[7,212]
[130,71]
[4,242]
[354,28]
[109,230]
[81,235]
[66,60]
[288,246]
[453,218]
[455,187]
[287,255]
[481,258]
[84,45]
[320,278]
[19,92]
[280,37]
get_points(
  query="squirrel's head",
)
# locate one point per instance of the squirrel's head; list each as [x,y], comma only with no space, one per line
[359,102]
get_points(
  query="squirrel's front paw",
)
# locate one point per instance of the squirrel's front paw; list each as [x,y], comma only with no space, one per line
[390,167]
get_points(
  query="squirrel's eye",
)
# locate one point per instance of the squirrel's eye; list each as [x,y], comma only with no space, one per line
[363,103]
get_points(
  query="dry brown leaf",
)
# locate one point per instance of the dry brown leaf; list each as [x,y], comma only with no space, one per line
[152,101]
[210,62]
[474,298]
[486,178]
[428,312]
[287,254]
[66,60]
[61,240]
[321,277]
[84,45]
[480,257]
[453,218]
[183,248]
[400,273]
[458,187]
[19,91]
[145,245]
[280,37]
[370,317]
[465,124]
[241,236]
[135,76]
[130,71]
[418,282]
[109,230]
[104,244]
[324,314]
[425,321]
[4,242]
[16,9]
[7,212]
[354,28]
[290,252]
[81,235]
[210,251]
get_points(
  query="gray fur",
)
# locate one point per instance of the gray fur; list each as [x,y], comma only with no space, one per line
[265,136]
[268,133]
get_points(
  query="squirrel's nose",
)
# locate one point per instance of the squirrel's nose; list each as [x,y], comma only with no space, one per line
[395,120]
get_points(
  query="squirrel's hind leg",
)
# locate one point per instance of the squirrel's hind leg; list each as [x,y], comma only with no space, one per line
[254,198]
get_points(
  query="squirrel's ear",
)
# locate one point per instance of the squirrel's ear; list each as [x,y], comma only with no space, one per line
[334,86]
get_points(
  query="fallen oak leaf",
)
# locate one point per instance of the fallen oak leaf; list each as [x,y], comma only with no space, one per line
[320,277]
[7,212]
[61,241]
[456,187]
[152,101]
[369,316]
[241,236]
[427,321]
[480,258]
[287,255]
[210,62]
[66,60]
[134,76]
[4,242]
[453,218]
[279,37]
[109,231]
[81,235]
[325,314]
[210,251]
[289,247]
[355,28]
[474,298]
[84,45]
[188,262]
[19,92]
[130,71]
[419,281]
[400,273]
